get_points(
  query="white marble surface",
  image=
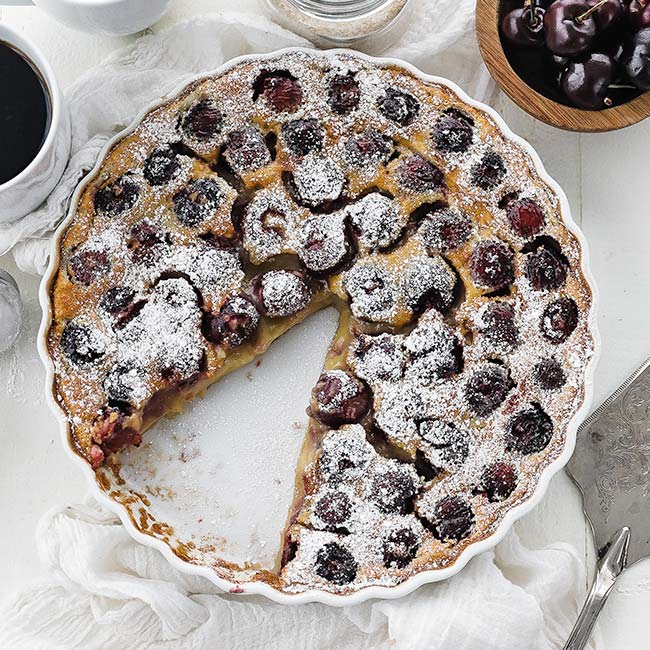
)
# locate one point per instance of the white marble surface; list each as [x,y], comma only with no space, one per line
[605,177]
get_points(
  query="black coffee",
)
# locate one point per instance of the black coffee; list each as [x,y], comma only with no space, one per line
[24,112]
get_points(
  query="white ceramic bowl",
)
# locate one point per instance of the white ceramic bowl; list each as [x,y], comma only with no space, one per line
[26,191]
[175,489]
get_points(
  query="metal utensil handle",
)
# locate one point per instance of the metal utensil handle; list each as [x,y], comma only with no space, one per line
[611,565]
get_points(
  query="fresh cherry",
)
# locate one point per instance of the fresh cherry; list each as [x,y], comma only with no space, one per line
[639,14]
[568,27]
[585,83]
[524,26]
[637,60]
[606,12]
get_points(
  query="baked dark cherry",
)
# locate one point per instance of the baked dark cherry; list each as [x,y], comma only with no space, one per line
[452,520]
[116,300]
[339,398]
[334,509]
[202,121]
[566,32]
[489,171]
[246,149]
[144,242]
[198,201]
[445,230]
[525,216]
[303,136]
[449,444]
[81,344]
[336,564]
[123,384]
[549,374]
[524,26]
[545,269]
[399,546]
[497,324]
[369,147]
[487,388]
[399,107]
[161,166]
[436,353]
[586,82]
[417,174]
[280,293]
[235,323]
[491,265]
[453,132]
[559,320]
[88,266]
[530,430]
[281,90]
[378,356]
[392,489]
[344,93]
[498,481]
[117,197]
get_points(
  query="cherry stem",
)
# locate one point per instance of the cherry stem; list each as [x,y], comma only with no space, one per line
[608,102]
[532,16]
[622,87]
[590,11]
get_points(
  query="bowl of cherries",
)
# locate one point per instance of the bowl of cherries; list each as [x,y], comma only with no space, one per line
[582,65]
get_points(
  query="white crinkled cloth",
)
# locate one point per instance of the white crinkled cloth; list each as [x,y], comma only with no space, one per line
[104,590]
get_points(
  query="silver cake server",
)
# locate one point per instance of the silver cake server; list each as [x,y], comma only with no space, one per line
[611,465]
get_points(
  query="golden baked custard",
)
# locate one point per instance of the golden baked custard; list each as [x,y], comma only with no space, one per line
[284,185]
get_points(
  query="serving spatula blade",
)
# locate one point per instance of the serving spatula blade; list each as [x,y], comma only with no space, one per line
[611,465]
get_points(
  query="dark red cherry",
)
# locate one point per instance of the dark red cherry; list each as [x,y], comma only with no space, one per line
[585,83]
[530,430]
[487,388]
[234,324]
[525,216]
[636,59]
[545,269]
[303,136]
[333,508]
[452,519]
[400,546]
[399,107]
[559,320]
[497,323]
[392,489]
[335,564]
[498,481]
[566,33]
[489,171]
[88,266]
[491,265]
[445,230]
[117,197]
[524,26]
[639,14]
[453,132]
[344,93]
[161,166]
[607,12]
[81,344]
[202,121]
[281,90]
[417,174]
[198,201]
[339,398]
[549,374]
[144,242]
[370,147]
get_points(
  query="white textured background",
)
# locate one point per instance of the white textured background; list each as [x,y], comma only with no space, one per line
[606,178]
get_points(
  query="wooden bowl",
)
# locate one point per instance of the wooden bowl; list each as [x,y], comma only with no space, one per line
[543,108]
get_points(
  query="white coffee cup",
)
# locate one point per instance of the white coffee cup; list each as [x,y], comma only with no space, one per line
[111,17]
[26,191]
